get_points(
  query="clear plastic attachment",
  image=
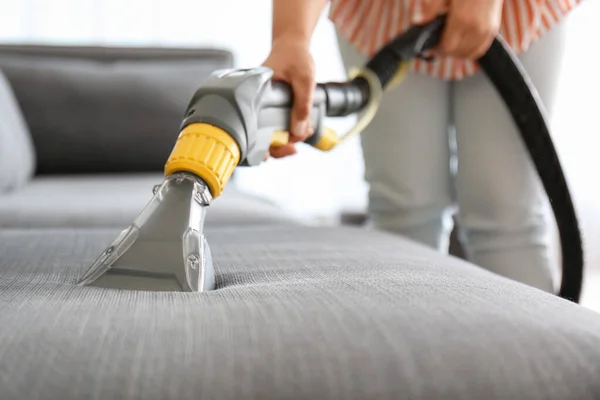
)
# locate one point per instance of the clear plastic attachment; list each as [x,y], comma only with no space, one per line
[164,249]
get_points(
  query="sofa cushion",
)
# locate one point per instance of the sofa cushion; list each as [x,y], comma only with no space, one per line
[17,156]
[114,201]
[102,109]
[300,313]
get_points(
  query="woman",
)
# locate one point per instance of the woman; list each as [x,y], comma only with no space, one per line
[408,148]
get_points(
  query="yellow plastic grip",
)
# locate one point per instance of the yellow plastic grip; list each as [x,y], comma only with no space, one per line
[327,141]
[279,138]
[206,151]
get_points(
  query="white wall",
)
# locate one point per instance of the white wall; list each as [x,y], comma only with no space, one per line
[325,181]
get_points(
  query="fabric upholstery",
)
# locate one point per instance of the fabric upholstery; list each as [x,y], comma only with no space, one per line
[114,201]
[17,156]
[300,313]
[101,109]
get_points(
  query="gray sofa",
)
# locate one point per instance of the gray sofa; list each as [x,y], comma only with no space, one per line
[300,312]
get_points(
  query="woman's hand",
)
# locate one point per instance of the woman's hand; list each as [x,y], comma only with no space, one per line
[471,25]
[291,61]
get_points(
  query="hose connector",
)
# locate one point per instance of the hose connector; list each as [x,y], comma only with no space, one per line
[206,151]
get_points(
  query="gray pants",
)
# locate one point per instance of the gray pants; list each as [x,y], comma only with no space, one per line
[419,171]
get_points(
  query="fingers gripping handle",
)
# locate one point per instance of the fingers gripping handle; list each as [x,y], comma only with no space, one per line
[275,115]
[329,100]
[274,120]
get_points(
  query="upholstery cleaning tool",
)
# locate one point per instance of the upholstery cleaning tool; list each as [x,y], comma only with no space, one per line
[238,114]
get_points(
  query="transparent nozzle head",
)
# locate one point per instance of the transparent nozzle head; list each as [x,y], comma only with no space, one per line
[164,249]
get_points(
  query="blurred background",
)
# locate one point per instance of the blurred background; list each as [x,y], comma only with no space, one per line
[330,183]
[243,27]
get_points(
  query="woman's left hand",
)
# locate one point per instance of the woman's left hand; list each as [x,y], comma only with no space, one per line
[471,25]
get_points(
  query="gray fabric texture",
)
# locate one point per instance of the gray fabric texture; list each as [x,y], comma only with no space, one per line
[300,313]
[101,110]
[97,201]
[17,155]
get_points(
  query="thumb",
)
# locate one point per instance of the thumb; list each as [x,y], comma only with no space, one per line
[427,10]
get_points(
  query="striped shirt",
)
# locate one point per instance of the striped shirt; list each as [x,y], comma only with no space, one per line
[370,24]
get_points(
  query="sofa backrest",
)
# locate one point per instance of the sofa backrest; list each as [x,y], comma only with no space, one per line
[105,109]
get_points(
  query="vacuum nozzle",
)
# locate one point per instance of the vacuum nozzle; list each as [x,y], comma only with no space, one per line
[164,249]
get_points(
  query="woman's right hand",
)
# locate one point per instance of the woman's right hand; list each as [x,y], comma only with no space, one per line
[291,62]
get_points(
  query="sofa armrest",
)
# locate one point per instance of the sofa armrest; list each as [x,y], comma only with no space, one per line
[17,156]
